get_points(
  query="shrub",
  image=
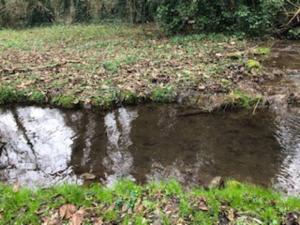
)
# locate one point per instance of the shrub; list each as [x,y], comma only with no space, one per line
[251,17]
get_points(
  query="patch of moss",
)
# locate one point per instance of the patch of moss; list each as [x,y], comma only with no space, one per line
[112,66]
[163,94]
[65,101]
[253,64]
[128,97]
[262,51]
[9,94]
[37,97]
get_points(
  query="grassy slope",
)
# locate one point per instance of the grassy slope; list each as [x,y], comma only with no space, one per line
[166,203]
[105,65]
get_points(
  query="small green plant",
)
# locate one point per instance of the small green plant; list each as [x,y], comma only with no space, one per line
[163,94]
[253,65]
[262,51]
[128,97]
[294,33]
[65,101]
[11,95]
[112,66]
[243,99]
[37,97]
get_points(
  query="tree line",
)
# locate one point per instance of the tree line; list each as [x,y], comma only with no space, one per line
[249,17]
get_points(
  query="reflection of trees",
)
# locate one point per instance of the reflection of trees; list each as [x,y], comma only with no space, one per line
[23,130]
[118,161]
[88,148]
[37,147]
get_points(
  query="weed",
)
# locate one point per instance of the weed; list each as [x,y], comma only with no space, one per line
[243,99]
[253,65]
[163,94]
[37,97]
[262,51]
[65,101]
[112,66]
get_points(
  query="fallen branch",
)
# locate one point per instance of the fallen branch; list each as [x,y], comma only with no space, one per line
[5,71]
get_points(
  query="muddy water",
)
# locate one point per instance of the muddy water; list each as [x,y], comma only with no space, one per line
[43,146]
[285,54]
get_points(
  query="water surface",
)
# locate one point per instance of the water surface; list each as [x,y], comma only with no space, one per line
[43,146]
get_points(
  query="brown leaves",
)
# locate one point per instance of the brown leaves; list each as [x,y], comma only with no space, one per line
[52,220]
[66,211]
[202,204]
[78,217]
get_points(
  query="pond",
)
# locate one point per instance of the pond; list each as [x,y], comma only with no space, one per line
[44,146]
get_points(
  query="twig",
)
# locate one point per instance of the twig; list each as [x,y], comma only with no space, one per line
[256,105]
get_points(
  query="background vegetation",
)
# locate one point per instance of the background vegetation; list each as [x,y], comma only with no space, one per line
[250,17]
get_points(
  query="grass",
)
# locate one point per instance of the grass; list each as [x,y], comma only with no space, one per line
[129,203]
[97,64]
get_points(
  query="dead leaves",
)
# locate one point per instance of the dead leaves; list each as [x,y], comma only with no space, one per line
[202,204]
[67,211]
[77,218]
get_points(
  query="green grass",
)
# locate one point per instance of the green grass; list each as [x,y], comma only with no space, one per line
[243,99]
[97,64]
[165,202]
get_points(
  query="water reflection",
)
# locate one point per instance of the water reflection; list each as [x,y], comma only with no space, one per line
[288,136]
[48,146]
[37,146]
[119,160]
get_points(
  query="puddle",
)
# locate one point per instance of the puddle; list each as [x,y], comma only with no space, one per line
[43,146]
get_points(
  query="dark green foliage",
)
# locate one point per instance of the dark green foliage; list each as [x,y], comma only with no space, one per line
[243,17]
[250,17]
[41,13]
[81,10]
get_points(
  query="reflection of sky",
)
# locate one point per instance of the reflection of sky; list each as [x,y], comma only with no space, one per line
[119,160]
[39,146]
[288,135]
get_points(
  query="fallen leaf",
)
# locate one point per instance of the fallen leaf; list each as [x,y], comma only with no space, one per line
[78,217]
[67,211]
[53,220]
[202,205]
[230,214]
